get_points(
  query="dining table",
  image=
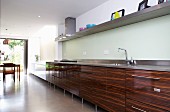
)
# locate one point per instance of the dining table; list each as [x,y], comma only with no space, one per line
[17,69]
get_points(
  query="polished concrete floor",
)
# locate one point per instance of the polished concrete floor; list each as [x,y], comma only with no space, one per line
[34,95]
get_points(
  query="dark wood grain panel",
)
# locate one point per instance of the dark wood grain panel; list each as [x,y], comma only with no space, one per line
[61,76]
[115,88]
[86,69]
[68,77]
[56,75]
[94,79]
[115,96]
[116,77]
[86,87]
[134,106]
[149,87]
[156,79]
[115,99]
[87,94]
[73,78]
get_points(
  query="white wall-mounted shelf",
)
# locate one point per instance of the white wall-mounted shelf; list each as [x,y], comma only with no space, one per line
[146,14]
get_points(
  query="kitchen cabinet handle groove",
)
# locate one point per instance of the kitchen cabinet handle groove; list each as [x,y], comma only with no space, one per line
[138,109]
[152,78]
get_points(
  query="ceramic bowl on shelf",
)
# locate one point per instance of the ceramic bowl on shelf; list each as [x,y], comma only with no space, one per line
[82,28]
[90,25]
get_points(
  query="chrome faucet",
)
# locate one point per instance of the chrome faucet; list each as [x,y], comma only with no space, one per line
[127,61]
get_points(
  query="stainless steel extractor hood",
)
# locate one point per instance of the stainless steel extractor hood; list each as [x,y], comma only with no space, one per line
[68,30]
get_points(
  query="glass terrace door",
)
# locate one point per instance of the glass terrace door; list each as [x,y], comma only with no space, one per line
[14,51]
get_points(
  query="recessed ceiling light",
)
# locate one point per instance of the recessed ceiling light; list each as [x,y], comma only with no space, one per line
[39,16]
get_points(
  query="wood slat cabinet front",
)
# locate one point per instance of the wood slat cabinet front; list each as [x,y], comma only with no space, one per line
[57,75]
[134,106]
[104,87]
[73,81]
[115,89]
[149,87]
[115,97]
[93,84]
[66,76]
[86,83]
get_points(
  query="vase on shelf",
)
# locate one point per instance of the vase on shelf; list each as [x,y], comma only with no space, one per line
[36,58]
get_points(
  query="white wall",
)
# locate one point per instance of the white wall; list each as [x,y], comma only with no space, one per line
[58,50]
[103,12]
[42,44]
[47,51]
[47,37]
[33,48]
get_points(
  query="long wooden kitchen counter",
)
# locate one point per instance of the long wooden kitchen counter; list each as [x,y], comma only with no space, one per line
[115,88]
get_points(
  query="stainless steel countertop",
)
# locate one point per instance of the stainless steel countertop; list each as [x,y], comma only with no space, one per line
[141,67]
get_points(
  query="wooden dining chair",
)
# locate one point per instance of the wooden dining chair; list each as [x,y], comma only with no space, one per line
[8,68]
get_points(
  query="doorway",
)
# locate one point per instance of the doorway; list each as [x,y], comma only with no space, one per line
[14,51]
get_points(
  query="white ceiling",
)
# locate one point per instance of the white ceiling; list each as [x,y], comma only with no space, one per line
[20,17]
